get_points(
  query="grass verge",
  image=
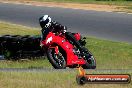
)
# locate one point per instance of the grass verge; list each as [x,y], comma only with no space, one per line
[56,79]
[109,55]
[124,5]
[13,29]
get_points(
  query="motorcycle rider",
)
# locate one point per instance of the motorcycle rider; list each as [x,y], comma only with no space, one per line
[48,25]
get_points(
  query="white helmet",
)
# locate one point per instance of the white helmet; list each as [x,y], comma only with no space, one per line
[45,21]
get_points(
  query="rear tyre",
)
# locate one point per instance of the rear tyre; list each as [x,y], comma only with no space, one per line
[58,61]
[90,64]
[90,61]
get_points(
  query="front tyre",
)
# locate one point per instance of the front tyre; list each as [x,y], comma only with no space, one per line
[58,61]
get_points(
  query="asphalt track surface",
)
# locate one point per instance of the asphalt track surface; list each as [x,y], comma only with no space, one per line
[105,25]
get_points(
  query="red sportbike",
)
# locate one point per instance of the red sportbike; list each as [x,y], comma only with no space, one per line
[67,50]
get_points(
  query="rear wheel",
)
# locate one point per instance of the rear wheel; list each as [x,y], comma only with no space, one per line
[89,65]
[58,61]
[90,62]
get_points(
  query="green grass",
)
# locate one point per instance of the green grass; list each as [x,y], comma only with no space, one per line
[126,5]
[48,79]
[36,63]
[106,2]
[122,5]
[109,54]
[86,1]
[113,55]
[13,29]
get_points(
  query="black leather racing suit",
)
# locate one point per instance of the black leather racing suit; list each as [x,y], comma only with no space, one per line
[55,27]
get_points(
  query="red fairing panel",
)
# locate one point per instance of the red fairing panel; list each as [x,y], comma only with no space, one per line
[77,36]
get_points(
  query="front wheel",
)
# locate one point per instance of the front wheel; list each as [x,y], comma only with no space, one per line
[58,61]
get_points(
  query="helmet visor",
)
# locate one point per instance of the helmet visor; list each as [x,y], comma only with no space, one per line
[45,22]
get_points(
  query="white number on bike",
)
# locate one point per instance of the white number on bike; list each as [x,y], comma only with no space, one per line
[49,40]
